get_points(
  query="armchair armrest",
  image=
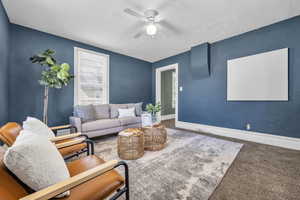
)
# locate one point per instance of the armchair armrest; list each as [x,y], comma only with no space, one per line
[54,128]
[76,122]
[63,137]
[70,143]
[69,183]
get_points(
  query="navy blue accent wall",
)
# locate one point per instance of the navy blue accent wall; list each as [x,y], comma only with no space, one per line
[4,57]
[199,63]
[204,101]
[130,78]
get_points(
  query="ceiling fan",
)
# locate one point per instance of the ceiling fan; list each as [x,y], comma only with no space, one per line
[153,23]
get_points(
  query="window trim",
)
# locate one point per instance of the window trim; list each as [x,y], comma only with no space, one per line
[76,53]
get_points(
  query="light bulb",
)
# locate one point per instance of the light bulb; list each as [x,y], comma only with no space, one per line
[151,29]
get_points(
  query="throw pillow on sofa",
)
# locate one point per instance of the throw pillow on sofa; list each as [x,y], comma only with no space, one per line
[36,162]
[138,108]
[36,126]
[129,112]
[85,112]
[114,109]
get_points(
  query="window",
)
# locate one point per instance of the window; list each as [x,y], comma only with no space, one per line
[91,77]
[174,92]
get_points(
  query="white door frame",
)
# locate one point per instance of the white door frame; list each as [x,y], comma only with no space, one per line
[158,86]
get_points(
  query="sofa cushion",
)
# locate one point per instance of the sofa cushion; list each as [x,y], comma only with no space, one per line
[102,111]
[138,108]
[85,112]
[128,112]
[100,124]
[114,113]
[130,120]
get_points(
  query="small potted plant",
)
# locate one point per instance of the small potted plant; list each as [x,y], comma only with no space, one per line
[153,110]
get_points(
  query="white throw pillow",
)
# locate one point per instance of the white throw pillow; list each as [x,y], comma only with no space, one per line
[129,112]
[36,126]
[36,162]
[25,135]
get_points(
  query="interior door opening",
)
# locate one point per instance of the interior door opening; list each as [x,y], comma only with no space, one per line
[167,91]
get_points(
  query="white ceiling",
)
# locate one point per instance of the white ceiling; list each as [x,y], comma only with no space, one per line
[103,23]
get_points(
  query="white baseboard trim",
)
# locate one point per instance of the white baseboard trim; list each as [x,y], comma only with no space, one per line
[167,117]
[264,138]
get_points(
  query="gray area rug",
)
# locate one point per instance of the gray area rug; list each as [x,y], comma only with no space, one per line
[190,167]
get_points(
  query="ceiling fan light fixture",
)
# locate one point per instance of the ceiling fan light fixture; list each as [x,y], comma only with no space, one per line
[151,29]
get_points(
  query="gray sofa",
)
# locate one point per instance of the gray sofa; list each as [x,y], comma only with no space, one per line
[99,120]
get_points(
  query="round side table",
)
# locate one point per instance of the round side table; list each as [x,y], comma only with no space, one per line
[155,137]
[131,144]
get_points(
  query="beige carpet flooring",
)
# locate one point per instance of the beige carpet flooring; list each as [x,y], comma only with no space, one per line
[260,172]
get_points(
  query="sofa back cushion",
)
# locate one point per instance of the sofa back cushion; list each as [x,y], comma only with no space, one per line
[138,108]
[114,109]
[102,111]
[85,112]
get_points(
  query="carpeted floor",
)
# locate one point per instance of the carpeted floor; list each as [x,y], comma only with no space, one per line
[260,172]
[190,166]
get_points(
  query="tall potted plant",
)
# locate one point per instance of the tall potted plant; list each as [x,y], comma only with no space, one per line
[54,75]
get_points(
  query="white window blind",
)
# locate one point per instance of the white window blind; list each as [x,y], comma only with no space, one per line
[91,77]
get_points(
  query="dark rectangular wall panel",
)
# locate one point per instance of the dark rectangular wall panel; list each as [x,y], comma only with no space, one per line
[199,63]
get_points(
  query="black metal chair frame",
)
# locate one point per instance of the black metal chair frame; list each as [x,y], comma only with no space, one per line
[90,150]
[125,188]
[63,128]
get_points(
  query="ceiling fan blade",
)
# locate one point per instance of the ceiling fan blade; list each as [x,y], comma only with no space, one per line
[133,13]
[169,26]
[139,34]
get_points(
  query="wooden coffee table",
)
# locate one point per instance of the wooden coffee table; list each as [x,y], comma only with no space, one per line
[155,137]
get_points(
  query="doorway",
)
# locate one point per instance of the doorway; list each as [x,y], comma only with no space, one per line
[167,91]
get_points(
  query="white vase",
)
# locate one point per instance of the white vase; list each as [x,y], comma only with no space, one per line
[154,118]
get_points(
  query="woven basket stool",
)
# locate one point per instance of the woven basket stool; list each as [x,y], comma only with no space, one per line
[155,137]
[131,144]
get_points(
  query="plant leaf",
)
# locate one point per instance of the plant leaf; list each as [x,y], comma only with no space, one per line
[49,61]
[62,75]
[55,68]
[65,66]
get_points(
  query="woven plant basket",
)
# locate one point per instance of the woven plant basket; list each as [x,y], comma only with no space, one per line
[155,137]
[131,144]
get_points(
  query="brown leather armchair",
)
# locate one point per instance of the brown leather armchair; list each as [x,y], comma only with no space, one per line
[91,179]
[68,145]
